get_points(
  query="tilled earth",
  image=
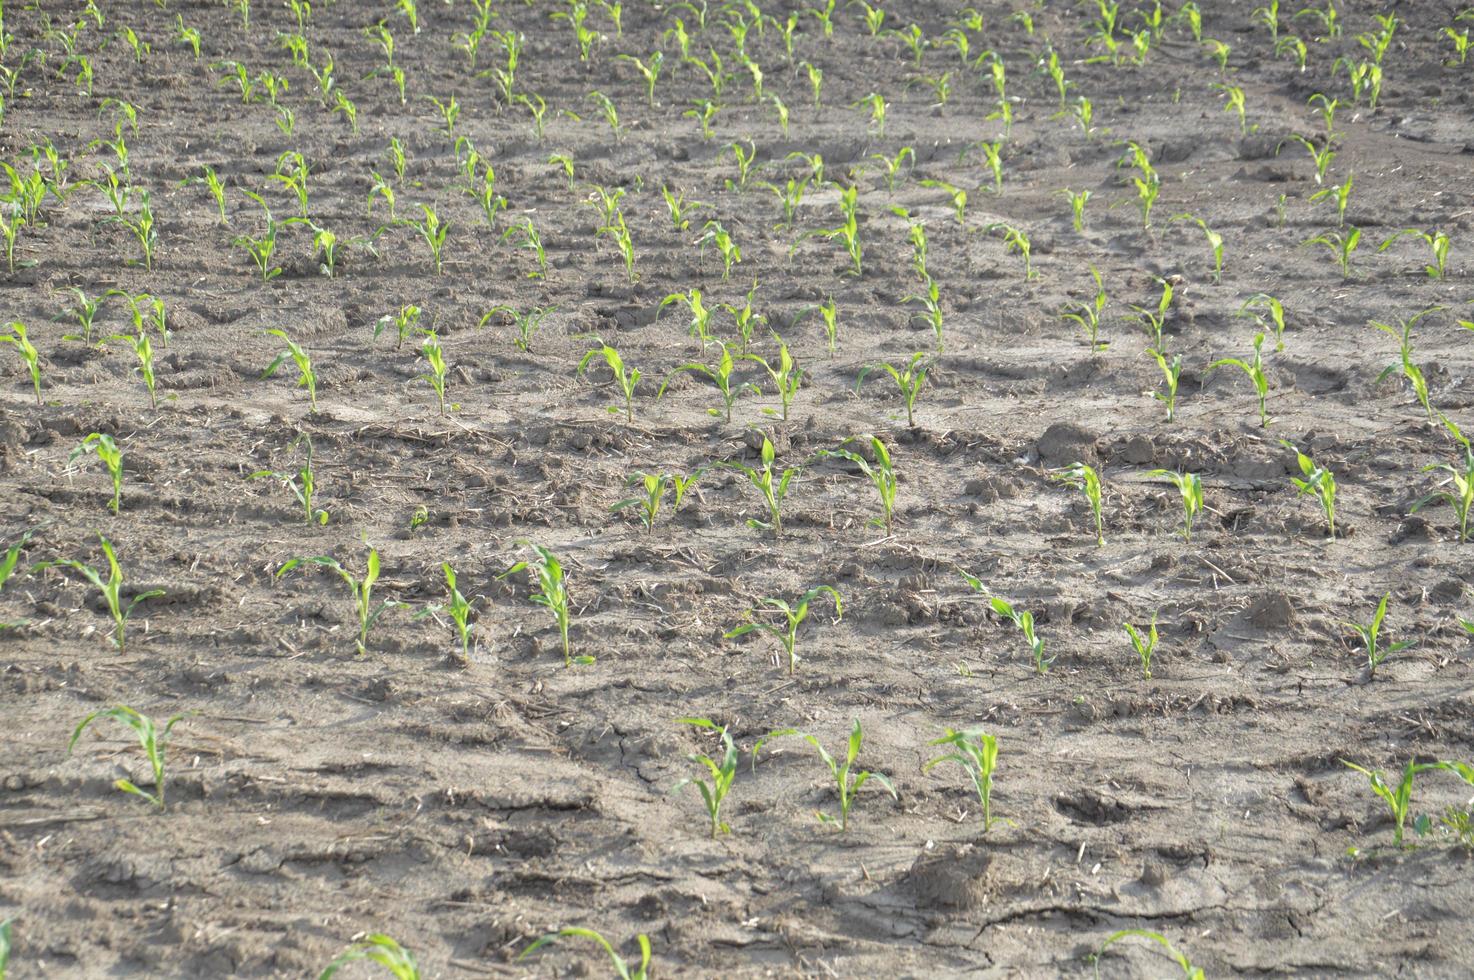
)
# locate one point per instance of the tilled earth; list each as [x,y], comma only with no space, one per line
[466,809]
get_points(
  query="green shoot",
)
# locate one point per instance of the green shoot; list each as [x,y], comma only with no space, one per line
[1370,638]
[1190,488]
[1403,332]
[931,304]
[432,230]
[1398,800]
[112,589]
[1189,971]
[1261,304]
[654,486]
[1078,200]
[552,593]
[1340,195]
[771,484]
[1319,483]
[786,632]
[1088,317]
[625,379]
[880,473]
[22,343]
[524,234]
[1215,242]
[1341,247]
[787,376]
[112,457]
[910,378]
[361,589]
[1438,243]
[722,774]
[153,741]
[405,322]
[526,324]
[459,608]
[622,969]
[84,311]
[1459,494]
[720,374]
[1170,373]
[713,233]
[1082,477]
[306,376]
[1144,645]
[847,784]
[376,948]
[1021,618]
[303,483]
[1016,240]
[1254,368]
[977,753]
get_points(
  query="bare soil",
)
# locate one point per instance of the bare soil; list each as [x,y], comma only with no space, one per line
[315,794]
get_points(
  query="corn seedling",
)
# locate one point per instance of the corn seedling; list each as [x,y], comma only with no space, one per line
[263,249]
[880,473]
[1082,477]
[1399,800]
[1254,368]
[1458,490]
[722,773]
[694,302]
[626,379]
[893,167]
[847,784]
[432,230]
[1088,317]
[1215,242]
[434,356]
[380,949]
[1270,315]
[111,456]
[217,191]
[771,484]
[404,323]
[622,969]
[957,194]
[17,337]
[524,234]
[303,483]
[680,209]
[137,305]
[526,324]
[1460,41]
[458,607]
[653,487]
[111,589]
[1147,181]
[8,564]
[1016,240]
[1022,619]
[1171,372]
[720,372]
[1322,155]
[713,233]
[877,106]
[361,590]
[1190,489]
[1340,195]
[143,349]
[306,376]
[1233,101]
[1403,333]
[786,632]
[1376,652]
[1319,483]
[1437,242]
[910,379]
[787,376]
[610,112]
[931,302]
[1078,200]
[849,232]
[552,593]
[1145,644]
[153,741]
[977,753]
[1189,972]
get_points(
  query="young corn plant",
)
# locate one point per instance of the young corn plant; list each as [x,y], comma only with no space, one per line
[1370,636]
[1438,243]
[977,753]
[1024,620]
[695,304]
[626,379]
[1148,182]
[362,590]
[1171,373]
[881,474]
[786,375]
[931,307]
[1155,321]
[771,484]
[1145,644]
[262,250]
[910,378]
[17,337]
[404,322]
[84,311]
[720,374]
[380,949]
[119,608]
[622,969]
[1270,315]
[957,195]
[1215,242]
[524,234]
[712,233]
[1458,490]
[1083,477]
[1088,317]
[1399,800]
[433,231]
[302,483]
[153,741]
[526,324]
[1341,247]
[1403,333]
[1254,368]
[434,356]
[653,487]
[1189,972]
[1319,483]
[551,593]
[1017,240]
[106,449]
[847,783]
[458,608]
[1190,489]
[722,773]
[306,376]
[1340,195]
[786,632]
